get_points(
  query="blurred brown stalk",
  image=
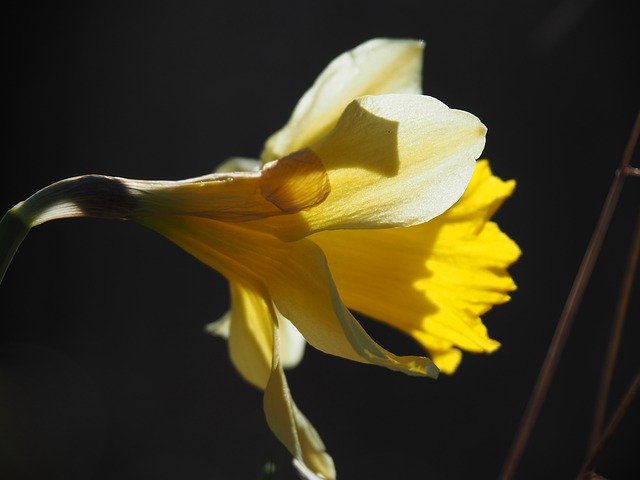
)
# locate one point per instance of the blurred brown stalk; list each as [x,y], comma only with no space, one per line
[565,323]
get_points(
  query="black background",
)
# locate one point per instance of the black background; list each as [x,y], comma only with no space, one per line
[105,372]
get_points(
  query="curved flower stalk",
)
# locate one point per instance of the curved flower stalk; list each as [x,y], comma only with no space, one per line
[352,206]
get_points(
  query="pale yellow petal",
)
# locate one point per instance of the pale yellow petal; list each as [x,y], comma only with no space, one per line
[296,277]
[433,280]
[292,343]
[238,164]
[219,327]
[251,334]
[392,160]
[289,424]
[375,67]
[304,472]
[295,182]
[304,292]
[255,347]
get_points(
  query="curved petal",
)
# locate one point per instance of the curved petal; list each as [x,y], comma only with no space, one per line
[289,424]
[375,67]
[251,334]
[255,348]
[297,279]
[292,343]
[318,312]
[392,160]
[220,327]
[433,280]
[238,164]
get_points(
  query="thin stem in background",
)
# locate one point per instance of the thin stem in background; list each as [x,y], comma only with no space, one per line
[610,428]
[570,308]
[614,340]
[13,231]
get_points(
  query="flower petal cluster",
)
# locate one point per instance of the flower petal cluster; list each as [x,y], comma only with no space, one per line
[369,199]
[364,176]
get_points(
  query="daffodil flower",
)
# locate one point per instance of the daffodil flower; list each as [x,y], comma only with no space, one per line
[368,199]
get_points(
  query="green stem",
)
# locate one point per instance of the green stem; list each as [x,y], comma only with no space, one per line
[12,232]
[86,196]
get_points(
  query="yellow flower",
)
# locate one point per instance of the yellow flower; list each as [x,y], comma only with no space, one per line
[431,279]
[350,208]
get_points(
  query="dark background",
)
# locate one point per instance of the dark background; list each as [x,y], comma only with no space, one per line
[105,372]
